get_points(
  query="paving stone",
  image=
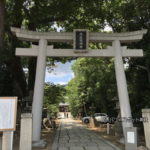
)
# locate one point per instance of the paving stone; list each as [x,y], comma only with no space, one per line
[106,148]
[101,144]
[91,148]
[63,139]
[63,148]
[76,148]
[72,144]
[74,140]
[72,136]
[90,144]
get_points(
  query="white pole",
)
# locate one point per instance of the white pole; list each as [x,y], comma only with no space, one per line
[7,140]
[39,90]
[108,128]
[122,86]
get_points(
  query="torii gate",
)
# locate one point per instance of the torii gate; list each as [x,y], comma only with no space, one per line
[116,50]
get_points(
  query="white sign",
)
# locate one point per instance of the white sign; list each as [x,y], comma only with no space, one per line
[130,137]
[8,109]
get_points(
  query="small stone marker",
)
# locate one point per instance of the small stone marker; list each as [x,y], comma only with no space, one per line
[131,138]
[26,132]
[146,123]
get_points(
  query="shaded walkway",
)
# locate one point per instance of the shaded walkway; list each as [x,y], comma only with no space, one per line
[74,136]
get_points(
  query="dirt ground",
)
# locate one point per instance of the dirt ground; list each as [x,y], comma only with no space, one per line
[46,135]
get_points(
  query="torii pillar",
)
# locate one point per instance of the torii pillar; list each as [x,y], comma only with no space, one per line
[41,51]
[38,95]
[122,87]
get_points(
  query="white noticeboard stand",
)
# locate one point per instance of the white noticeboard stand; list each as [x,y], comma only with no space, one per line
[8,110]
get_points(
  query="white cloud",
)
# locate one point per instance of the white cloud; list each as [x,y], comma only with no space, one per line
[61,74]
[61,70]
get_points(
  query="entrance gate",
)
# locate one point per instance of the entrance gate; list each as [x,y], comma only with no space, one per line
[42,50]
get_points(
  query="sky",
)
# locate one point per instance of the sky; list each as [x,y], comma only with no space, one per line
[61,74]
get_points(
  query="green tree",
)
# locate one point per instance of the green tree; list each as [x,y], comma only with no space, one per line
[53,95]
[94,84]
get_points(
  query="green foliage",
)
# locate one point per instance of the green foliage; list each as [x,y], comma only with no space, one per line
[53,95]
[94,84]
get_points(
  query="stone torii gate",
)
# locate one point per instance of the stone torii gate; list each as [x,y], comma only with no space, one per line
[43,50]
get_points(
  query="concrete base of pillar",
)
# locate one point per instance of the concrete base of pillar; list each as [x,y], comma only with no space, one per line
[39,144]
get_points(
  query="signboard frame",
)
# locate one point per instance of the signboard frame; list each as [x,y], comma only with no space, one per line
[75,31]
[13,104]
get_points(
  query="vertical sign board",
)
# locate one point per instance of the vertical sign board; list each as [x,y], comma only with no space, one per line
[8,109]
[81,39]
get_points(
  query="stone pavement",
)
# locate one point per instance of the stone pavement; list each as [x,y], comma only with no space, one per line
[74,136]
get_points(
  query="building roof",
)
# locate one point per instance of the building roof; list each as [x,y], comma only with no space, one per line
[63,104]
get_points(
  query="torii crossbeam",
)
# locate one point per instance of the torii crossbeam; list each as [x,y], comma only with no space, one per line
[43,50]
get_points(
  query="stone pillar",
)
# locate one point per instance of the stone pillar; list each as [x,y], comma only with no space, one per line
[146,123]
[39,90]
[7,140]
[26,132]
[122,86]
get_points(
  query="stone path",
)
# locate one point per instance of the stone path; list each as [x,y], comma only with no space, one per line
[73,136]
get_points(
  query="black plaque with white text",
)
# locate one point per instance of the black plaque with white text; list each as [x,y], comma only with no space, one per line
[81,40]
